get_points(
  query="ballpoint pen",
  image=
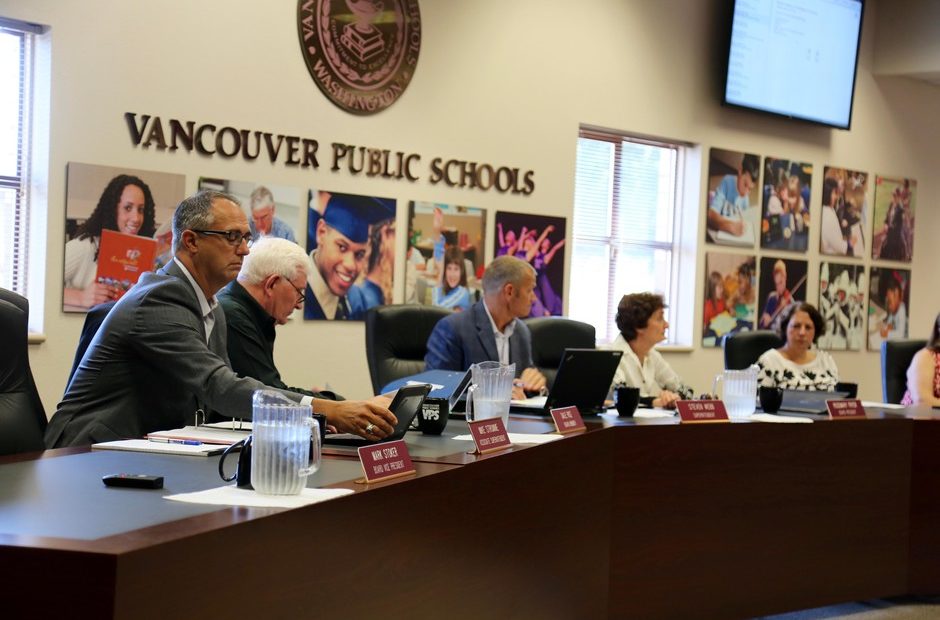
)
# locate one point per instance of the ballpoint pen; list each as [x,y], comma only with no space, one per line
[182,442]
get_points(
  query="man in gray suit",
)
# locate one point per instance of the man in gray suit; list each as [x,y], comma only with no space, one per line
[160,355]
[491,329]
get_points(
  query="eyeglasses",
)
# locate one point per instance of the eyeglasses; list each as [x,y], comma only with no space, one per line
[300,292]
[234,237]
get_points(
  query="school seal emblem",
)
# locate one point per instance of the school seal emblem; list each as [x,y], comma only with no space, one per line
[361,53]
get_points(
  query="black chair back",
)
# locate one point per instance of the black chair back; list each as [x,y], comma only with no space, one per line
[22,417]
[551,335]
[93,321]
[744,348]
[896,356]
[397,340]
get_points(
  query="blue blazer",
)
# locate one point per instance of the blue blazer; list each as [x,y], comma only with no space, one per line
[466,338]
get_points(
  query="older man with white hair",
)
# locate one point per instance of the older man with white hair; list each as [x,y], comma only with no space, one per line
[269,286]
[263,222]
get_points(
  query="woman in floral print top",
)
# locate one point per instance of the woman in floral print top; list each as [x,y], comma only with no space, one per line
[797,365]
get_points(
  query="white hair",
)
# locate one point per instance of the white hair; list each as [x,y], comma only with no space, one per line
[274,256]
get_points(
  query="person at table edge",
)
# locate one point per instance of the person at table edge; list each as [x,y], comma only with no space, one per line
[160,355]
[492,330]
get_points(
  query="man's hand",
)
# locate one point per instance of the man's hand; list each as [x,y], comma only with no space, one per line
[532,380]
[666,400]
[367,418]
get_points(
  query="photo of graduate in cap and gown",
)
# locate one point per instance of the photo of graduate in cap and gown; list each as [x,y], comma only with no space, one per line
[351,240]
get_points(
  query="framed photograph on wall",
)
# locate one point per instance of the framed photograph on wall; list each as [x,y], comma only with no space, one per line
[844,213]
[785,200]
[351,240]
[782,283]
[893,229]
[131,202]
[730,296]
[539,240]
[732,210]
[889,297]
[842,306]
[272,210]
[444,259]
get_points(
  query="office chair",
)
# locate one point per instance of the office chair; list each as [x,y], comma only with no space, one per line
[744,348]
[551,335]
[397,339]
[22,417]
[896,356]
[93,321]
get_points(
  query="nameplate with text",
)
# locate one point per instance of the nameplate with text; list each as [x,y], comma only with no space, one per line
[845,409]
[489,435]
[701,411]
[568,420]
[385,461]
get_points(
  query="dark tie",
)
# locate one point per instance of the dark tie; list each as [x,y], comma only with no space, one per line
[341,313]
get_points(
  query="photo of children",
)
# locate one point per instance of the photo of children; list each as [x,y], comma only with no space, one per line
[844,212]
[731,205]
[272,210]
[842,306]
[444,260]
[540,240]
[782,282]
[136,203]
[785,216]
[351,240]
[893,231]
[729,305]
[888,298]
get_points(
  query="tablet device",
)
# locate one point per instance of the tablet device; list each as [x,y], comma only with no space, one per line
[406,405]
[583,381]
[809,401]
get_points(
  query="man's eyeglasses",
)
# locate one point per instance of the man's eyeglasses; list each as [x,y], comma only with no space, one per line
[300,292]
[234,237]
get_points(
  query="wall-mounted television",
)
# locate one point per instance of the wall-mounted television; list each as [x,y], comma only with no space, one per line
[795,58]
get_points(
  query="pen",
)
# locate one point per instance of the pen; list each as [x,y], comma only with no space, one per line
[183,442]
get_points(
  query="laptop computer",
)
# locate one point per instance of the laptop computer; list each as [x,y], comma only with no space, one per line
[809,401]
[406,405]
[583,381]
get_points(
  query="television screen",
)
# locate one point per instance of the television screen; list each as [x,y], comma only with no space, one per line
[795,58]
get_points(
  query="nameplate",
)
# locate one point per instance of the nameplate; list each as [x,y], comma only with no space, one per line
[701,411]
[489,435]
[845,410]
[568,420]
[384,461]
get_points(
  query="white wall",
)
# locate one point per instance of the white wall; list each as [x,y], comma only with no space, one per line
[501,82]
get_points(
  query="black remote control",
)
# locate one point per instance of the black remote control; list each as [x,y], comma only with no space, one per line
[135,481]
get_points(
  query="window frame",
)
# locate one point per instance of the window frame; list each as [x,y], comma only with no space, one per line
[680,301]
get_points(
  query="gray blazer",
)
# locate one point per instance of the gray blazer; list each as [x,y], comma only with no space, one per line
[148,368]
[465,338]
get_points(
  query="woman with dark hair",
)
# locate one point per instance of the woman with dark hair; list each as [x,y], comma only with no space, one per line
[452,292]
[923,375]
[127,206]
[797,365]
[377,286]
[642,325]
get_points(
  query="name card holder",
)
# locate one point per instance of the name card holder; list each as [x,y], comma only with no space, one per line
[489,435]
[848,409]
[385,461]
[701,411]
[568,420]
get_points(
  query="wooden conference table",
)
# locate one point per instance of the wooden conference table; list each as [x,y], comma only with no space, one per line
[641,518]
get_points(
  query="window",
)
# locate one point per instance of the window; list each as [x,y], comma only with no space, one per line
[19,225]
[628,232]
